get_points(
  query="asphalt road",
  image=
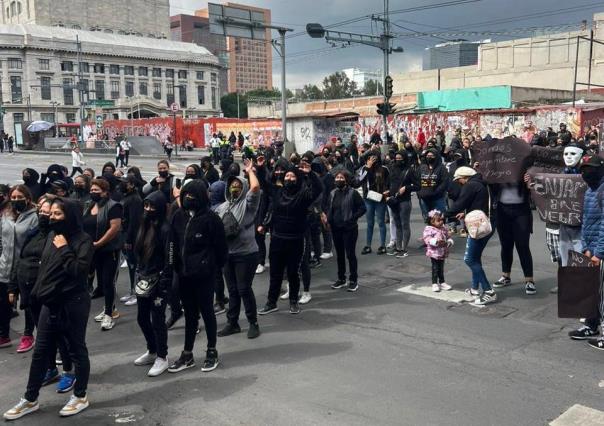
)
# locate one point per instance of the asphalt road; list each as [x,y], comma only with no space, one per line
[375,357]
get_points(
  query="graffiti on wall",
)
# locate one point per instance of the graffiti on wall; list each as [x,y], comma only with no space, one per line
[525,125]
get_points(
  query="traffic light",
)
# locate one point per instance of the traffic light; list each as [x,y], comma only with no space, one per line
[388,86]
[380,109]
[386,108]
[391,109]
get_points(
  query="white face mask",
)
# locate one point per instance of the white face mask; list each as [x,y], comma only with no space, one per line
[572,156]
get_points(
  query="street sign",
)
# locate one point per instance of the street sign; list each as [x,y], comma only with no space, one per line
[235,22]
[174,107]
[101,103]
[99,121]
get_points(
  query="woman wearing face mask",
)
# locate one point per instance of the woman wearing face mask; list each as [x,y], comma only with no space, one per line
[154,266]
[140,182]
[375,181]
[241,205]
[133,212]
[434,182]
[17,222]
[30,179]
[198,246]
[103,223]
[345,208]
[60,289]
[81,191]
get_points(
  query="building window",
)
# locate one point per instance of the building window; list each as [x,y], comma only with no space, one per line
[213,77]
[67,66]
[99,68]
[182,74]
[182,95]
[85,85]
[15,64]
[169,73]
[47,116]
[213,98]
[18,117]
[156,90]
[85,67]
[114,69]
[44,64]
[143,71]
[201,95]
[142,89]
[156,72]
[99,86]
[15,87]
[70,117]
[115,89]
[170,94]
[128,70]
[200,75]
[130,88]
[68,91]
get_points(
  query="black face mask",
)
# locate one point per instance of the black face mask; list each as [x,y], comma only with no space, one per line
[340,184]
[190,176]
[59,227]
[43,222]
[96,197]
[398,163]
[592,176]
[191,204]
[290,185]
[80,189]
[19,205]
[430,160]
[150,215]
[28,179]
[163,174]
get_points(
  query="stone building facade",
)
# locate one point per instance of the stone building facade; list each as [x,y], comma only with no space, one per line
[136,76]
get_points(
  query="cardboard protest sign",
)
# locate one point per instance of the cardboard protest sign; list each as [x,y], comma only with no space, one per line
[578,292]
[559,197]
[502,160]
[578,259]
[547,160]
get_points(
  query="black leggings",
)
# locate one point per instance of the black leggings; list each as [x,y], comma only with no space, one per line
[76,169]
[219,287]
[5,311]
[438,271]
[197,296]
[345,242]
[239,273]
[514,226]
[285,255]
[261,241]
[70,323]
[151,319]
[60,342]
[106,266]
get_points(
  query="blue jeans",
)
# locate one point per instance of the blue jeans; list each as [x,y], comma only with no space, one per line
[430,204]
[376,209]
[474,249]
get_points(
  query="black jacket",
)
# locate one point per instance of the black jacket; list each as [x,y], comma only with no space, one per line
[474,196]
[211,175]
[64,271]
[400,176]
[133,214]
[346,207]
[434,181]
[27,264]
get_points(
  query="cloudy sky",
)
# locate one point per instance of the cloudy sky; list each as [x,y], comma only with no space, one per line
[312,59]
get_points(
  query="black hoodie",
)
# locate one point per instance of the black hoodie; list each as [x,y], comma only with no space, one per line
[33,185]
[133,214]
[433,180]
[402,175]
[474,195]
[64,271]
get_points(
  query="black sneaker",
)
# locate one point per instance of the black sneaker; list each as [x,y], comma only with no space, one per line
[597,344]
[486,298]
[529,288]
[294,308]
[338,284]
[583,333]
[314,264]
[211,361]
[381,250]
[268,309]
[366,250]
[502,282]
[253,331]
[219,308]
[401,254]
[229,329]
[352,286]
[173,320]
[185,361]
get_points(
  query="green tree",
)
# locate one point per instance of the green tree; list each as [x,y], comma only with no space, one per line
[228,104]
[337,86]
[311,92]
[372,88]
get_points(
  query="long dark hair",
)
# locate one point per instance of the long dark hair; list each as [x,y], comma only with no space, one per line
[144,246]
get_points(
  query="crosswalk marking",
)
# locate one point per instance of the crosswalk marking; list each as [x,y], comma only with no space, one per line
[425,290]
[579,415]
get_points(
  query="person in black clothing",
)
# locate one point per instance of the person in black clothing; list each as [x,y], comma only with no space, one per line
[164,181]
[53,173]
[60,289]
[152,252]
[81,191]
[209,172]
[564,134]
[30,179]
[240,140]
[232,140]
[103,223]
[290,203]
[140,182]
[375,181]
[217,197]
[345,208]
[199,246]
[434,181]
[133,214]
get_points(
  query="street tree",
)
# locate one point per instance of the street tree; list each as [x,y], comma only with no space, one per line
[337,86]
[373,88]
[228,104]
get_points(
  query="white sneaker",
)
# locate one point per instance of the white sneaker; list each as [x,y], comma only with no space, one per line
[22,408]
[260,269]
[125,298]
[132,301]
[100,316]
[145,359]
[326,256]
[74,406]
[445,286]
[124,264]
[391,245]
[285,296]
[306,297]
[107,323]
[159,366]
[435,288]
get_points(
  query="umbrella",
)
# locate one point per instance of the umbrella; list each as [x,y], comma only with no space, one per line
[39,126]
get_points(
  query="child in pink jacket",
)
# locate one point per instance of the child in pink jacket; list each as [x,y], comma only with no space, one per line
[436,238]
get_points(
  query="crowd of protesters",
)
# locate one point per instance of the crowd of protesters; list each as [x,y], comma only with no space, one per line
[185,239]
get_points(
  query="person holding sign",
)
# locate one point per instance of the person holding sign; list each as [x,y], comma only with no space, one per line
[592,237]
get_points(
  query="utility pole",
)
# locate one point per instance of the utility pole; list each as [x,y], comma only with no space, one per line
[80,87]
[281,45]
[238,111]
[386,49]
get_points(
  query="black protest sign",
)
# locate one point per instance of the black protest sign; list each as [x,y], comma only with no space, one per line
[578,292]
[502,160]
[559,197]
[547,160]
[578,259]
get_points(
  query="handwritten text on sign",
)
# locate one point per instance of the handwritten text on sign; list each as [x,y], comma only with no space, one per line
[502,160]
[559,198]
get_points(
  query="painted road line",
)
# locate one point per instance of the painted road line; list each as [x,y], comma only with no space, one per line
[579,415]
[425,290]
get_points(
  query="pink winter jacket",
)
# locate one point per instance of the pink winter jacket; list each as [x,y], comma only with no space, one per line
[433,236]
